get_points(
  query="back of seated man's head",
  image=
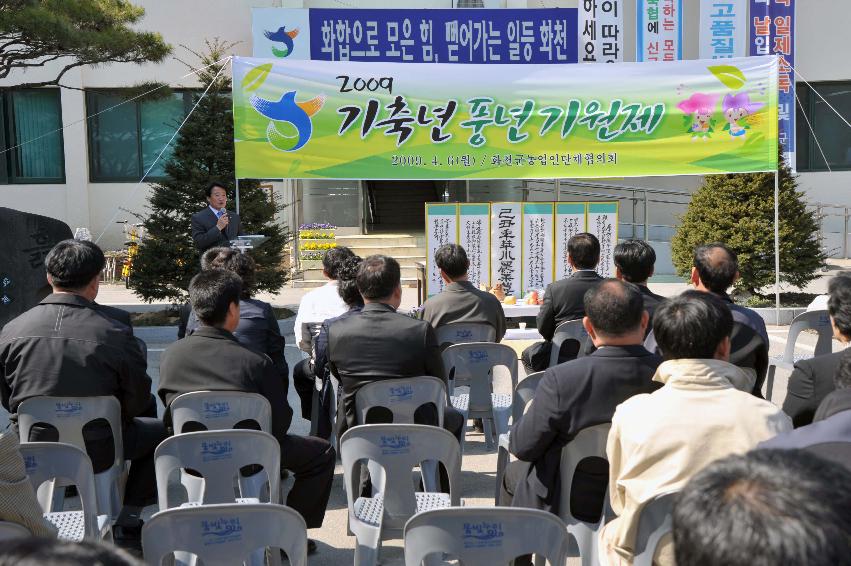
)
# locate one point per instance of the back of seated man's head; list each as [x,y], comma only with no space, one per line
[212,292]
[765,508]
[634,260]
[452,260]
[842,377]
[717,266]
[51,552]
[379,278]
[75,266]
[348,286]
[839,304]
[333,259]
[616,309]
[231,259]
[692,326]
[583,250]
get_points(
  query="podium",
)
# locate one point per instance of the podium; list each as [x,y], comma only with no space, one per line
[248,242]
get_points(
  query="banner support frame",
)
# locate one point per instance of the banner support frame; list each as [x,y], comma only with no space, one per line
[777,243]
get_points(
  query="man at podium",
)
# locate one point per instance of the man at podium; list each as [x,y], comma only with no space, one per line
[215,225]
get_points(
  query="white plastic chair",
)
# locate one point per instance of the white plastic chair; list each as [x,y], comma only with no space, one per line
[68,415]
[46,462]
[812,320]
[654,522]
[10,531]
[397,449]
[523,395]
[218,456]
[485,536]
[568,330]
[402,397]
[219,410]
[472,366]
[225,535]
[464,333]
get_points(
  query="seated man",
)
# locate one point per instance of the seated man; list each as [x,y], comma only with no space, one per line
[829,435]
[577,395]
[380,343]
[703,412]
[460,301]
[765,507]
[563,301]
[66,346]
[716,269]
[813,379]
[212,359]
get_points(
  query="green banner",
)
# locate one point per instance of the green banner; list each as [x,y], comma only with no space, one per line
[344,120]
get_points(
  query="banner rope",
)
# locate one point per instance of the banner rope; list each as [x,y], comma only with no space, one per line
[812,131]
[823,99]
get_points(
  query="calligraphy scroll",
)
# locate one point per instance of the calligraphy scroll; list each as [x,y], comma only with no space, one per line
[442,228]
[474,237]
[569,221]
[537,246]
[506,246]
[603,223]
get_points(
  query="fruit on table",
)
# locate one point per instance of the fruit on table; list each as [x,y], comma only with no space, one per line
[498,291]
[483,287]
[532,298]
[510,300]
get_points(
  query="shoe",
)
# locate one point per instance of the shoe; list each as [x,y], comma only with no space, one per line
[129,537]
[478,426]
[311,549]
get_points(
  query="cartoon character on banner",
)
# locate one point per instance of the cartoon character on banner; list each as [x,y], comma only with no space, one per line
[698,109]
[736,108]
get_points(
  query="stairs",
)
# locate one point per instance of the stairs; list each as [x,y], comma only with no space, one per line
[398,206]
[407,249]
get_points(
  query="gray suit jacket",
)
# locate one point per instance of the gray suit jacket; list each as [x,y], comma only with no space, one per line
[206,235]
[462,302]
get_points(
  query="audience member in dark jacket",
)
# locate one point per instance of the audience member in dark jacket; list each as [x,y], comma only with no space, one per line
[812,379]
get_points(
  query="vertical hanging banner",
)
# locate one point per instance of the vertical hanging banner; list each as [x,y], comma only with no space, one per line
[659,30]
[441,228]
[603,223]
[600,31]
[506,246]
[723,29]
[474,237]
[773,32]
[570,220]
[537,246]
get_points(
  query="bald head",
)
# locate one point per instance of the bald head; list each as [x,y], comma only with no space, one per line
[614,308]
[716,268]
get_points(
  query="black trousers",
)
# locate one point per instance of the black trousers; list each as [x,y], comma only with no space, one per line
[303,381]
[311,460]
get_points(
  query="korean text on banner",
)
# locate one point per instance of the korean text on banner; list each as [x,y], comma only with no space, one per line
[601,31]
[506,246]
[474,237]
[659,30]
[570,220]
[603,223]
[773,32]
[344,120]
[537,246]
[417,36]
[723,29]
[442,228]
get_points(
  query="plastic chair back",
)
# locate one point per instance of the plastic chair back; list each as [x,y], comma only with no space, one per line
[568,330]
[473,364]
[218,456]
[524,393]
[813,320]
[464,332]
[402,397]
[219,410]
[48,461]
[397,449]
[225,534]
[485,536]
[654,522]
[9,531]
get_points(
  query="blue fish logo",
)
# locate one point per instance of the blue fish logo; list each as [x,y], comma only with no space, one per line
[216,409]
[282,36]
[297,114]
[482,535]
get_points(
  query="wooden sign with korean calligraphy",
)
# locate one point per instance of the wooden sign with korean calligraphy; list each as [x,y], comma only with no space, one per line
[442,228]
[602,221]
[570,220]
[506,246]
[474,237]
[537,246]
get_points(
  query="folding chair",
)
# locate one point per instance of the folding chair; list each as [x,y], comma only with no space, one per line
[472,366]
[9,531]
[485,536]
[523,395]
[218,456]
[654,522]
[568,330]
[69,415]
[813,320]
[396,449]
[47,462]
[464,332]
[225,534]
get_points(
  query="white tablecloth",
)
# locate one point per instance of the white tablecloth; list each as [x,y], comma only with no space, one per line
[522,334]
[519,311]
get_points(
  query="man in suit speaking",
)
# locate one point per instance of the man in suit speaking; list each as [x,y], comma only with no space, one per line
[215,225]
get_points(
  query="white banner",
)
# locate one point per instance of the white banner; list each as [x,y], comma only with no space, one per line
[537,246]
[659,30]
[474,237]
[601,31]
[603,223]
[570,220]
[506,246]
[723,29]
[442,228]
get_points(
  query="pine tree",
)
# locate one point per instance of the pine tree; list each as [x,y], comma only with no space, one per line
[738,210]
[203,152]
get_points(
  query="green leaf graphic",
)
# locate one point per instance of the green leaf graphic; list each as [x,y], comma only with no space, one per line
[729,75]
[255,78]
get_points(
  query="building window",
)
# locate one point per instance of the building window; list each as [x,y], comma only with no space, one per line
[31,134]
[832,133]
[125,137]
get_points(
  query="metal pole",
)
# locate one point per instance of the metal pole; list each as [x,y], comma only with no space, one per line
[237,196]
[777,243]
[845,234]
[646,235]
[467,190]
[558,190]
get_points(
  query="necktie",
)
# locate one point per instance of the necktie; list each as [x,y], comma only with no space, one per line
[219,213]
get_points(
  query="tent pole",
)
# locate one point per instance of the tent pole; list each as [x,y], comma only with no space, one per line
[237,196]
[777,243]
